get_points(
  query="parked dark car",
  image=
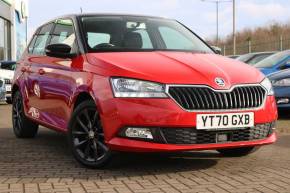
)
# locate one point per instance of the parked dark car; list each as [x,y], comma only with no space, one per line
[281,85]
[253,58]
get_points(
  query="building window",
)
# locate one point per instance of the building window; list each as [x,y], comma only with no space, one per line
[5,40]
[20,29]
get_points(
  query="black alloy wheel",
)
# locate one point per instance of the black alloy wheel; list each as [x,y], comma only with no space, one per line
[22,126]
[86,136]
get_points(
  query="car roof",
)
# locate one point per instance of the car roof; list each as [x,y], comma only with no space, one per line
[267,52]
[100,15]
[108,15]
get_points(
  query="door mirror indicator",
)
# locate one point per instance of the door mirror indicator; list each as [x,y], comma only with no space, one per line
[59,51]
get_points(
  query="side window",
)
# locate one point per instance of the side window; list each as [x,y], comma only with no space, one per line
[41,39]
[98,38]
[257,59]
[174,39]
[63,33]
[31,45]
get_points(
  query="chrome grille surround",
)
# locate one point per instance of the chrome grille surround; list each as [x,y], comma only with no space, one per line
[220,95]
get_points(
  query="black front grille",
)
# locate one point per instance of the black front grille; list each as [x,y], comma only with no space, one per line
[204,98]
[194,136]
[7,81]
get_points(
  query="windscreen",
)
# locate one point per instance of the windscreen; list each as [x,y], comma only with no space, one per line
[138,34]
[244,58]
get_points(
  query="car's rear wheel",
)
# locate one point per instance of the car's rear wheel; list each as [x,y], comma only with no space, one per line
[237,152]
[86,136]
[9,100]
[22,126]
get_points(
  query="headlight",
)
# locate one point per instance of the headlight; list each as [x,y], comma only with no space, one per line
[131,88]
[282,82]
[268,86]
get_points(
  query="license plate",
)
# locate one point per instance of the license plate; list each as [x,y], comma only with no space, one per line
[224,121]
[8,88]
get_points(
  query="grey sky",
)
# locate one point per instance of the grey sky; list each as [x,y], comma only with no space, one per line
[198,15]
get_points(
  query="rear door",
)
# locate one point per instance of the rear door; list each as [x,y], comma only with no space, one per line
[31,68]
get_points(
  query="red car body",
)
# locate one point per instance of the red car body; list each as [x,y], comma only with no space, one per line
[94,70]
[52,86]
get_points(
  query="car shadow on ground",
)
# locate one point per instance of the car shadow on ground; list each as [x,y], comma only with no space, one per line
[284,114]
[48,156]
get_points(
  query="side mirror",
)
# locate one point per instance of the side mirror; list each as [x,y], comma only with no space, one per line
[59,51]
[217,50]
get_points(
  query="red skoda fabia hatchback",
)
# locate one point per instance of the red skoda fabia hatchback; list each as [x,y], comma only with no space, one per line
[141,84]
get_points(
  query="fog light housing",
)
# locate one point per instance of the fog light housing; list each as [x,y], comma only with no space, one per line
[134,132]
[282,101]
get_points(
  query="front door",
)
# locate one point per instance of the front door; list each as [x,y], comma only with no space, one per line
[55,78]
[50,80]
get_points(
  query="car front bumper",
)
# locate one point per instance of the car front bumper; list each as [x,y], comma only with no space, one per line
[122,144]
[119,113]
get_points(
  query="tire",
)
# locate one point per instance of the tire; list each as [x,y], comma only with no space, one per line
[9,101]
[237,152]
[22,126]
[86,136]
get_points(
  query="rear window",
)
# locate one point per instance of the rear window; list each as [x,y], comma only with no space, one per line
[273,60]
[258,58]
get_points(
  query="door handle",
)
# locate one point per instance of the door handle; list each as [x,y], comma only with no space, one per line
[23,69]
[41,71]
[26,69]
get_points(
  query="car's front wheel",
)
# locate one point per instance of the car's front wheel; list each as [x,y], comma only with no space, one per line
[86,136]
[22,126]
[237,152]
